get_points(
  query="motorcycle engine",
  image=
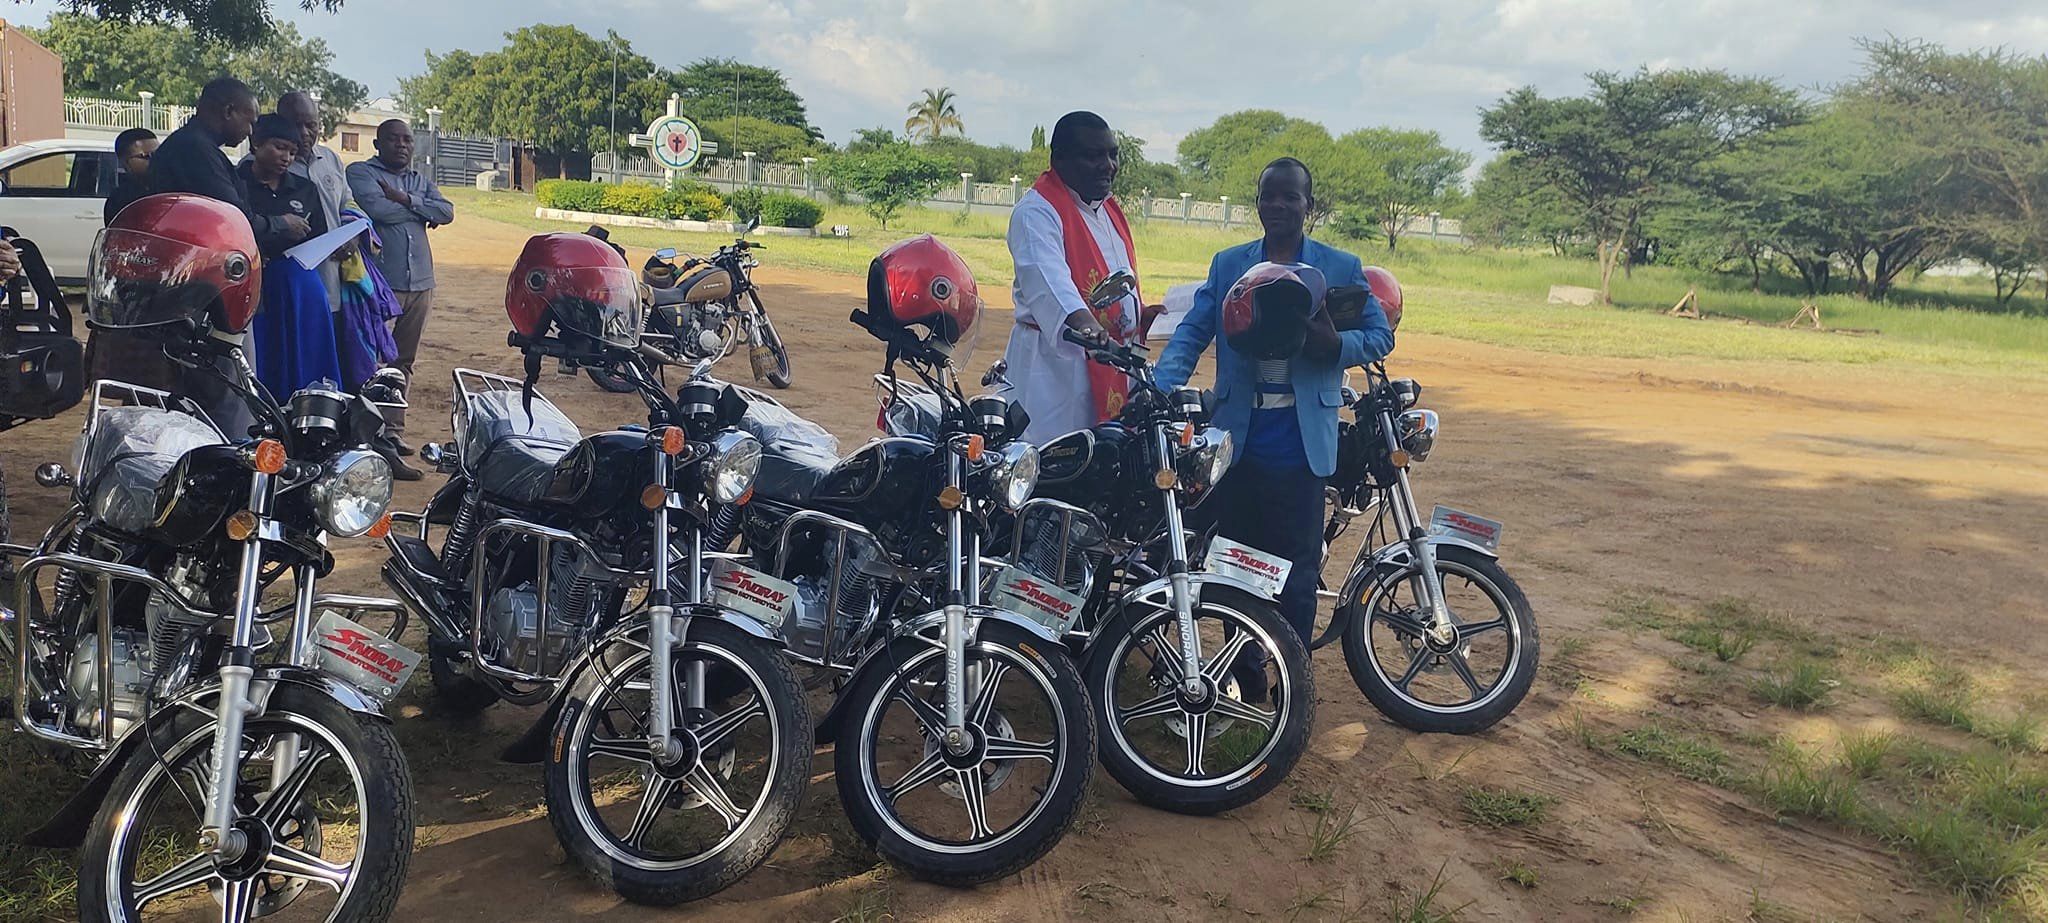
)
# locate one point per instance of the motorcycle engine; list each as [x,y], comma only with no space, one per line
[130,681]
[576,585]
[851,604]
[701,326]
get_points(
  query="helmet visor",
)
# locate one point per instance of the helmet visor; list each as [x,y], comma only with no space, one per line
[139,279]
[599,302]
[962,327]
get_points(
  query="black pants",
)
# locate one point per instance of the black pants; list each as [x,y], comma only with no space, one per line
[1278,510]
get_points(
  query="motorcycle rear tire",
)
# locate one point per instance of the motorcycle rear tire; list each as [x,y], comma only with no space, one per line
[610,380]
[779,377]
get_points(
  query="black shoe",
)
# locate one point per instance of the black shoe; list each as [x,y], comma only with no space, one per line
[405,448]
[1254,687]
[402,471]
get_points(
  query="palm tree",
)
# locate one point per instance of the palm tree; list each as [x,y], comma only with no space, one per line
[932,115]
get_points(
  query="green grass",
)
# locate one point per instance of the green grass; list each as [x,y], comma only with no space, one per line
[1726,646]
[1863,755]
[1805,687]
[1690,757]
[1491,806]
[1520,874]
[1489,296]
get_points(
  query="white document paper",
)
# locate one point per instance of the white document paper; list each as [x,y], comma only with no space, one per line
[316,250]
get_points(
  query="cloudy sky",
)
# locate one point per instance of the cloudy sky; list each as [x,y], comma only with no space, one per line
[1160,69]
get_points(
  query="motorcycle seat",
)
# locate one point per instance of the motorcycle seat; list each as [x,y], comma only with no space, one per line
[516,469]
[667,297]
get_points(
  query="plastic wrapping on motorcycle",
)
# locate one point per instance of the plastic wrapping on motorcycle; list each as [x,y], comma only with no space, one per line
[127,453]
[500,415]
[795,453]
[914,414]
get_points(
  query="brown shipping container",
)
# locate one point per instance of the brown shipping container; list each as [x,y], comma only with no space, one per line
[31,89]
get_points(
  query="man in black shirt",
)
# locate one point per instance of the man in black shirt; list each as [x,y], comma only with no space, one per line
[134,148]
[190,160]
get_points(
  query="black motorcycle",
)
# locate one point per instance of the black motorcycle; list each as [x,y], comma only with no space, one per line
[701,310]
[1436,634]
[567,563]
[42,367]
[963,740]
[243,759]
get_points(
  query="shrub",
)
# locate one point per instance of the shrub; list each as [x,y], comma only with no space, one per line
[746,202]
[693,201]
[630,199]
[784,210]
[570,194]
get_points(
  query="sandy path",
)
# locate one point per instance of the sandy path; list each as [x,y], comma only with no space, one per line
[1865,503]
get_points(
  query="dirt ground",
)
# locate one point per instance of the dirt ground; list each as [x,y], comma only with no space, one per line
[1860,503]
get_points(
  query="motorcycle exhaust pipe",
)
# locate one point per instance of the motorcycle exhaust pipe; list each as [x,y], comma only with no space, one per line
[653,354]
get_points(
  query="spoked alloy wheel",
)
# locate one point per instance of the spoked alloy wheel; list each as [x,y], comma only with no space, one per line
[1223,744]
[664,831]
[330,841]
[967,815]
[1460,687]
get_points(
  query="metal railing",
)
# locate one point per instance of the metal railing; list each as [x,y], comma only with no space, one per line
[96,112]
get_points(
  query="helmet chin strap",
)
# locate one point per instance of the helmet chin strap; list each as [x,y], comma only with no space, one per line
[532,376]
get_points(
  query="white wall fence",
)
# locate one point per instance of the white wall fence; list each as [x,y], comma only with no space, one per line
[804,179]
[118,114]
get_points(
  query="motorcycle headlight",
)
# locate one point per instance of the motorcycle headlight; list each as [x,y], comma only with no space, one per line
[1014,475]
[1203,464]
[353,493]
[1418,433]
[729,470]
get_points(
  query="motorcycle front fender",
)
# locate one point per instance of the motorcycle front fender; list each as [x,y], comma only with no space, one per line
[1396,556]
[1157,594]
[66,828]
[530,747]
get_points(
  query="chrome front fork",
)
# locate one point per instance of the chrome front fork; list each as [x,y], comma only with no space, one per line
[964,554]
[1183,589]
[666,632]
[217,831]
[1429,587]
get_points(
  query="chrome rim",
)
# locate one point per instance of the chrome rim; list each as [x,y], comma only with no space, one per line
[674,816]
[298,830]
[1010,777]
[1212,739]
[1442,679]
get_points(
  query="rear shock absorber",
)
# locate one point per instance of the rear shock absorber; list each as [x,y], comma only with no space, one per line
[461,535]
[66,590]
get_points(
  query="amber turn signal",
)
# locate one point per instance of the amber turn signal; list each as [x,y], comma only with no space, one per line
[1187,436]
[653,496]
[1399,458]
[975,446]
[241,525]
[950,497]
[268,456]
[742,501]
[381,528]
[671,440]
[1164,480]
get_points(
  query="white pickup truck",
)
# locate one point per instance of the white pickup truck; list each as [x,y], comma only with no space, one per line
[53,192]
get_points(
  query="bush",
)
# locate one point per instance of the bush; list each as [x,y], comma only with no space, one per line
[630,199]
[887,178]
[784,210]
[746,202]
[1356,226]
[570,194]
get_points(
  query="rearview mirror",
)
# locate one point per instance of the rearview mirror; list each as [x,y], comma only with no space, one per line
[1111,290]
[998,374]
[665,253]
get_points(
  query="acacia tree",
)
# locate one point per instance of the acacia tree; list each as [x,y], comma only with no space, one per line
[887,177]
[932,115]
[120,60]
[235,23]
[1512,204]
[1420,176]
[1614,152]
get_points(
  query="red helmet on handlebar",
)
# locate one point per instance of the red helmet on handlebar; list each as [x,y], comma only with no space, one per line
[921,282]
[175,257]
[1387,289]
[576,288]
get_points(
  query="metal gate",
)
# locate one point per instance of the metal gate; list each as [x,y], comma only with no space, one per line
[458,159]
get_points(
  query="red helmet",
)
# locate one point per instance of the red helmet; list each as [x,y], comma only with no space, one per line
[921,282]
[577,284]
[1266,311]
[1387,289]
[175,257]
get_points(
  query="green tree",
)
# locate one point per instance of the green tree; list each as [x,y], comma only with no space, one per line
[1613,152]
[549,85]
[932,115]
[119,60]
[867,139]
[886,178]
[1421,176]
[713,88]
[1038,137]
[1135,175]
[771,142]
[234,23]
[1515,205]
[988,163]
[1207,155]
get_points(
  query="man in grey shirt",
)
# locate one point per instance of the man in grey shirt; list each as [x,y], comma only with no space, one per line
[403,203]
[318,162]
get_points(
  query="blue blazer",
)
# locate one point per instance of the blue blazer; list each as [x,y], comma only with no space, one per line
[1318,386]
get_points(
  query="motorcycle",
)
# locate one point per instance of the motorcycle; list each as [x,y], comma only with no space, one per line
[963,740]
[701,310]
[42,367]
[1423,600]
[241,750]
[566,564]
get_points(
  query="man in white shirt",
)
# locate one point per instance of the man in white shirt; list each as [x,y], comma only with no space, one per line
[1066,234]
